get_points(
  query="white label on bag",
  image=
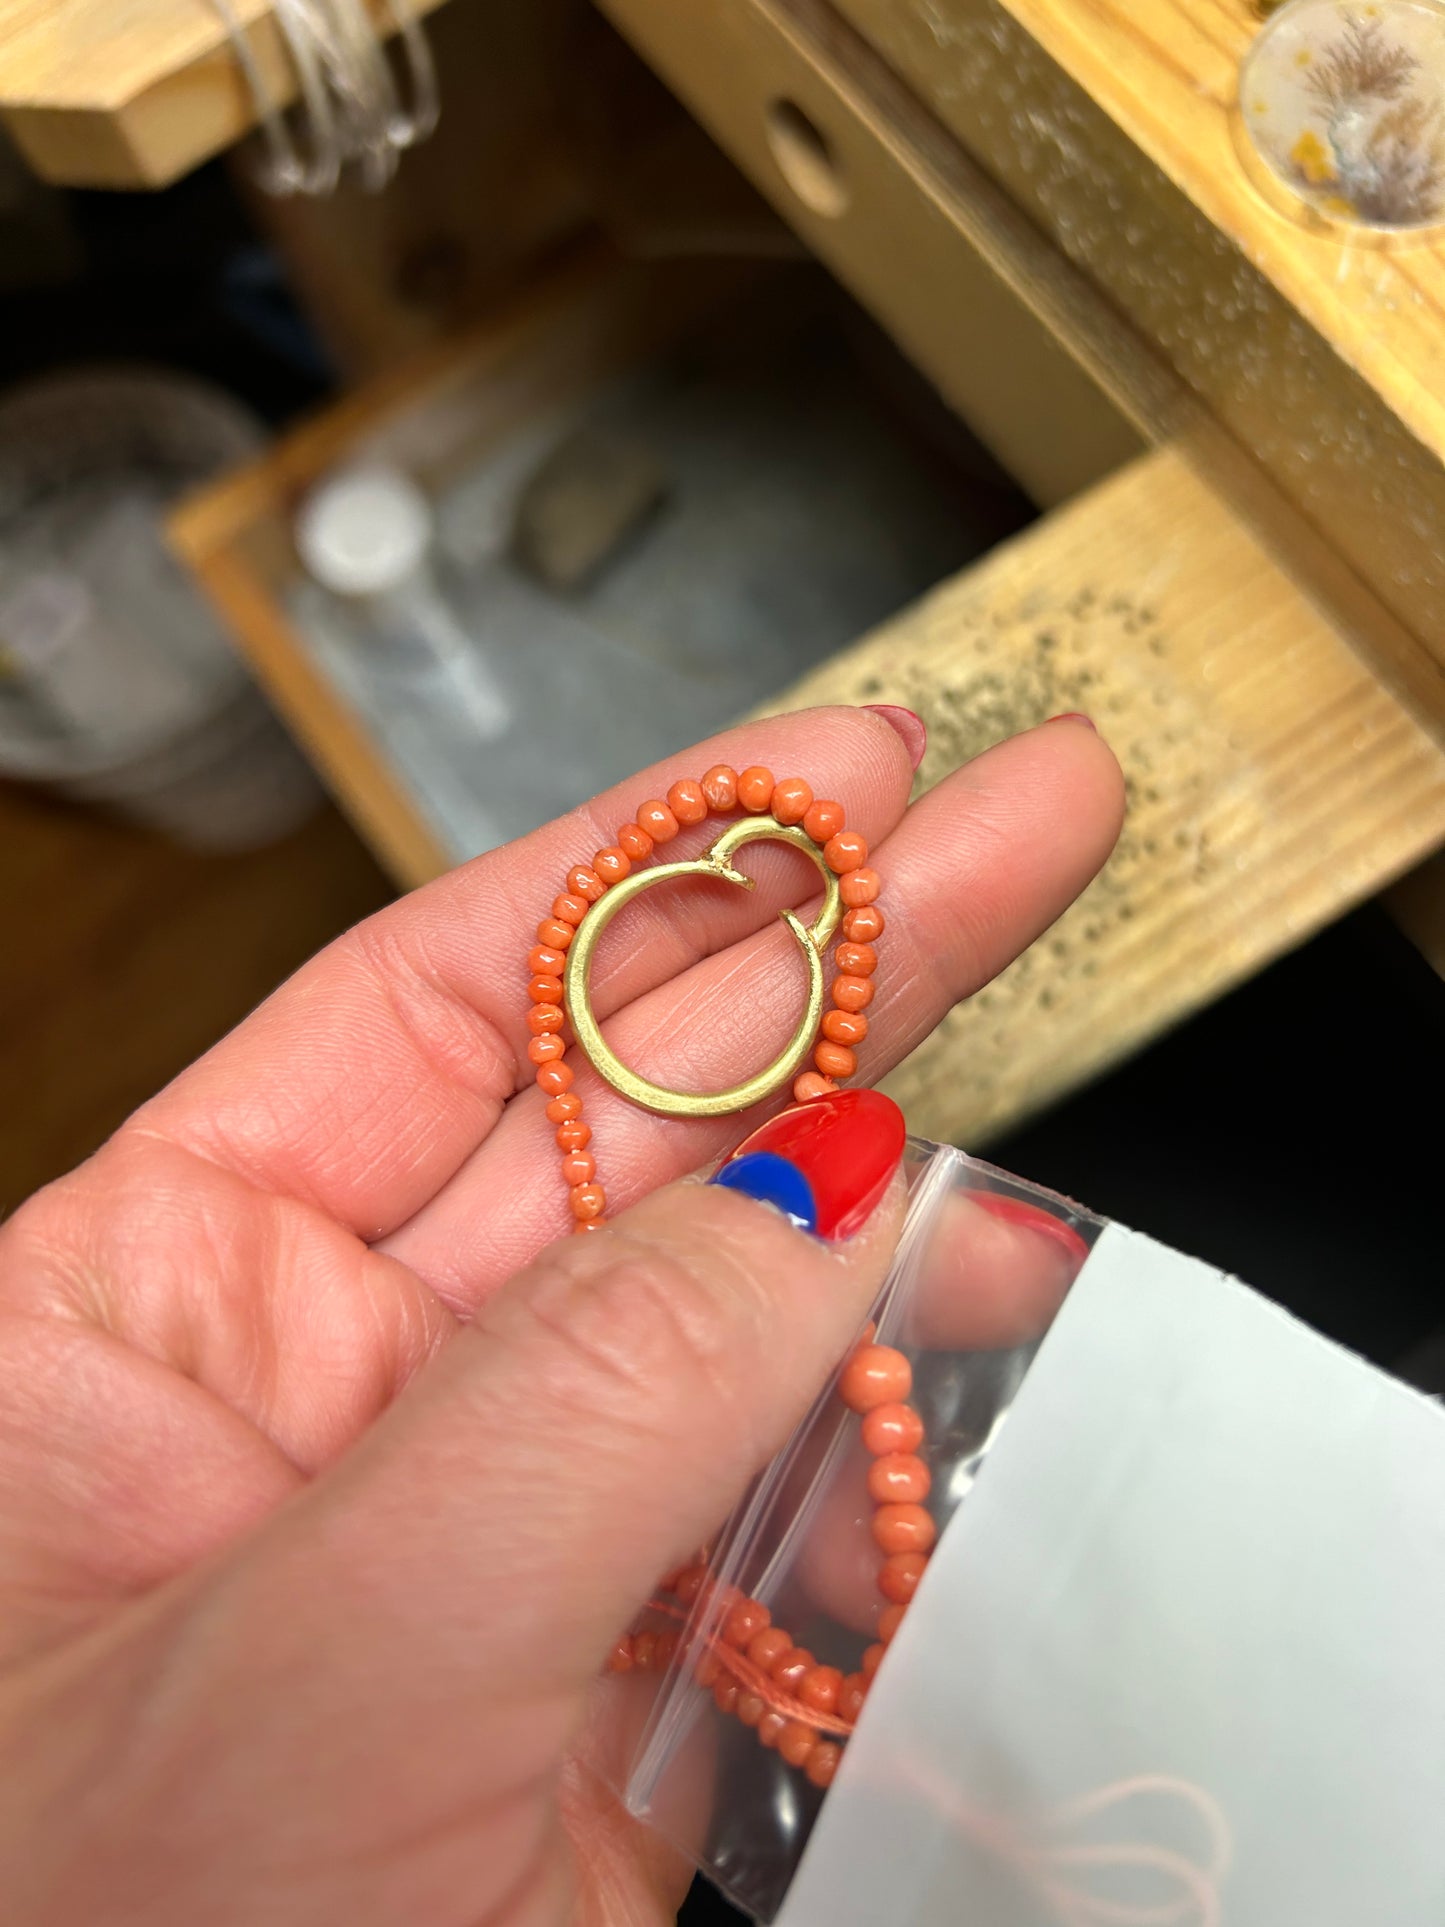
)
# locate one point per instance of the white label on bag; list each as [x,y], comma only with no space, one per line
[1180,1657]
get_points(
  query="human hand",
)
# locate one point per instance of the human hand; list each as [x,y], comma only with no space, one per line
[327,1479]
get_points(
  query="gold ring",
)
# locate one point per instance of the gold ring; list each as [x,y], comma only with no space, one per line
[712,863]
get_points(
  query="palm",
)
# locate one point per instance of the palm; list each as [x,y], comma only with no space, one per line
[214,1310]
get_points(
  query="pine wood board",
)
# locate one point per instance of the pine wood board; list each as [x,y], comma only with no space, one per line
[134,93]
[1273,784]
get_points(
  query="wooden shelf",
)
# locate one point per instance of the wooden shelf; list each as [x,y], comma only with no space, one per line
[134,93]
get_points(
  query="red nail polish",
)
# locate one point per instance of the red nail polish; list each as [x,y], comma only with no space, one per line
[1076,716]
[1032,1218]
[906,724]
[847,1145]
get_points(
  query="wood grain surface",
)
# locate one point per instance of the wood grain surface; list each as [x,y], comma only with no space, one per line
[1272,783]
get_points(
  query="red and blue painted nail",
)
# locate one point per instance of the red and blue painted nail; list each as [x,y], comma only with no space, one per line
[825,1164]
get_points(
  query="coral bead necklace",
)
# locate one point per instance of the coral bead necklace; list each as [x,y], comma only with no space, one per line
[754,1669]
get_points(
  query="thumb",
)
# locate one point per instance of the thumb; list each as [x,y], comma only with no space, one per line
[496,1530]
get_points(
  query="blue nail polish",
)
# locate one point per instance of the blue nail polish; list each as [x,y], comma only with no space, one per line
[775,1181]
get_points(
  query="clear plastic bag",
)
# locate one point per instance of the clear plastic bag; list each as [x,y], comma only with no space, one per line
[983,1265]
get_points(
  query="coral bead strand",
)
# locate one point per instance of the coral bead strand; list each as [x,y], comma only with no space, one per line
[754,1669]
[657,821]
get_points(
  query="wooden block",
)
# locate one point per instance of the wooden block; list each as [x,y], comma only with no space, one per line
[1272,783]
[582,504]
[98,95]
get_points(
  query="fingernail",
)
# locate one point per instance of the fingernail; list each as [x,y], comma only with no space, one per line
[772,1180]
[1076,716]
[1033,1218]
[907,725]
[829,1161]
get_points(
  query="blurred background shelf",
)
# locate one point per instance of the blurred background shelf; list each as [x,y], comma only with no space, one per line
[134,94]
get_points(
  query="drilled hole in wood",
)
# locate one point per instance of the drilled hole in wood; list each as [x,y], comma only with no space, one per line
[805,160]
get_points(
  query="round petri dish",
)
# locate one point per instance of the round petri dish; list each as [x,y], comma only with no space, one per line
[1341,115]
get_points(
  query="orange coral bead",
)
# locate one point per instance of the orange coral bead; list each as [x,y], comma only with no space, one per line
[889,1620]
[875,1375]
[569,908]
[687,802]
[845,1026]
[657,820]
[819,1688]
[690,1583]
[544,1017]
[767,1647]
[545,990]
[904,1528]
[834,1060]
[873,1657]
[583,882]
[589,1224]
[823,1762]
[844,852]
[635,842]
[745,1621]
[578,1167]
[790,1671]
[555,1078]
[564,1107]
[853,993]
[554,933]
[796,1742]
[588,1201]
[619,1660]
[755,788]
[665,1651]
[644,1646]
[612,864]
[899,1575]
[812,1084]
[823,819]
[544,961]
[864,925]
[720,787]
[859,887]
[770,1726]
[725,1693]
[892,1428]
[575,1136]
[792,799]
[856,959]
[851,1696]
[750,1709]
[707,1670]
[898,1478]
[546,1048]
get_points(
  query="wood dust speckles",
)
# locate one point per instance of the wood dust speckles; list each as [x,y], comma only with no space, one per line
[1270,782]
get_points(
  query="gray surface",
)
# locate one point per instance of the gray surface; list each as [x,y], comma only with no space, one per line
[797,516]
